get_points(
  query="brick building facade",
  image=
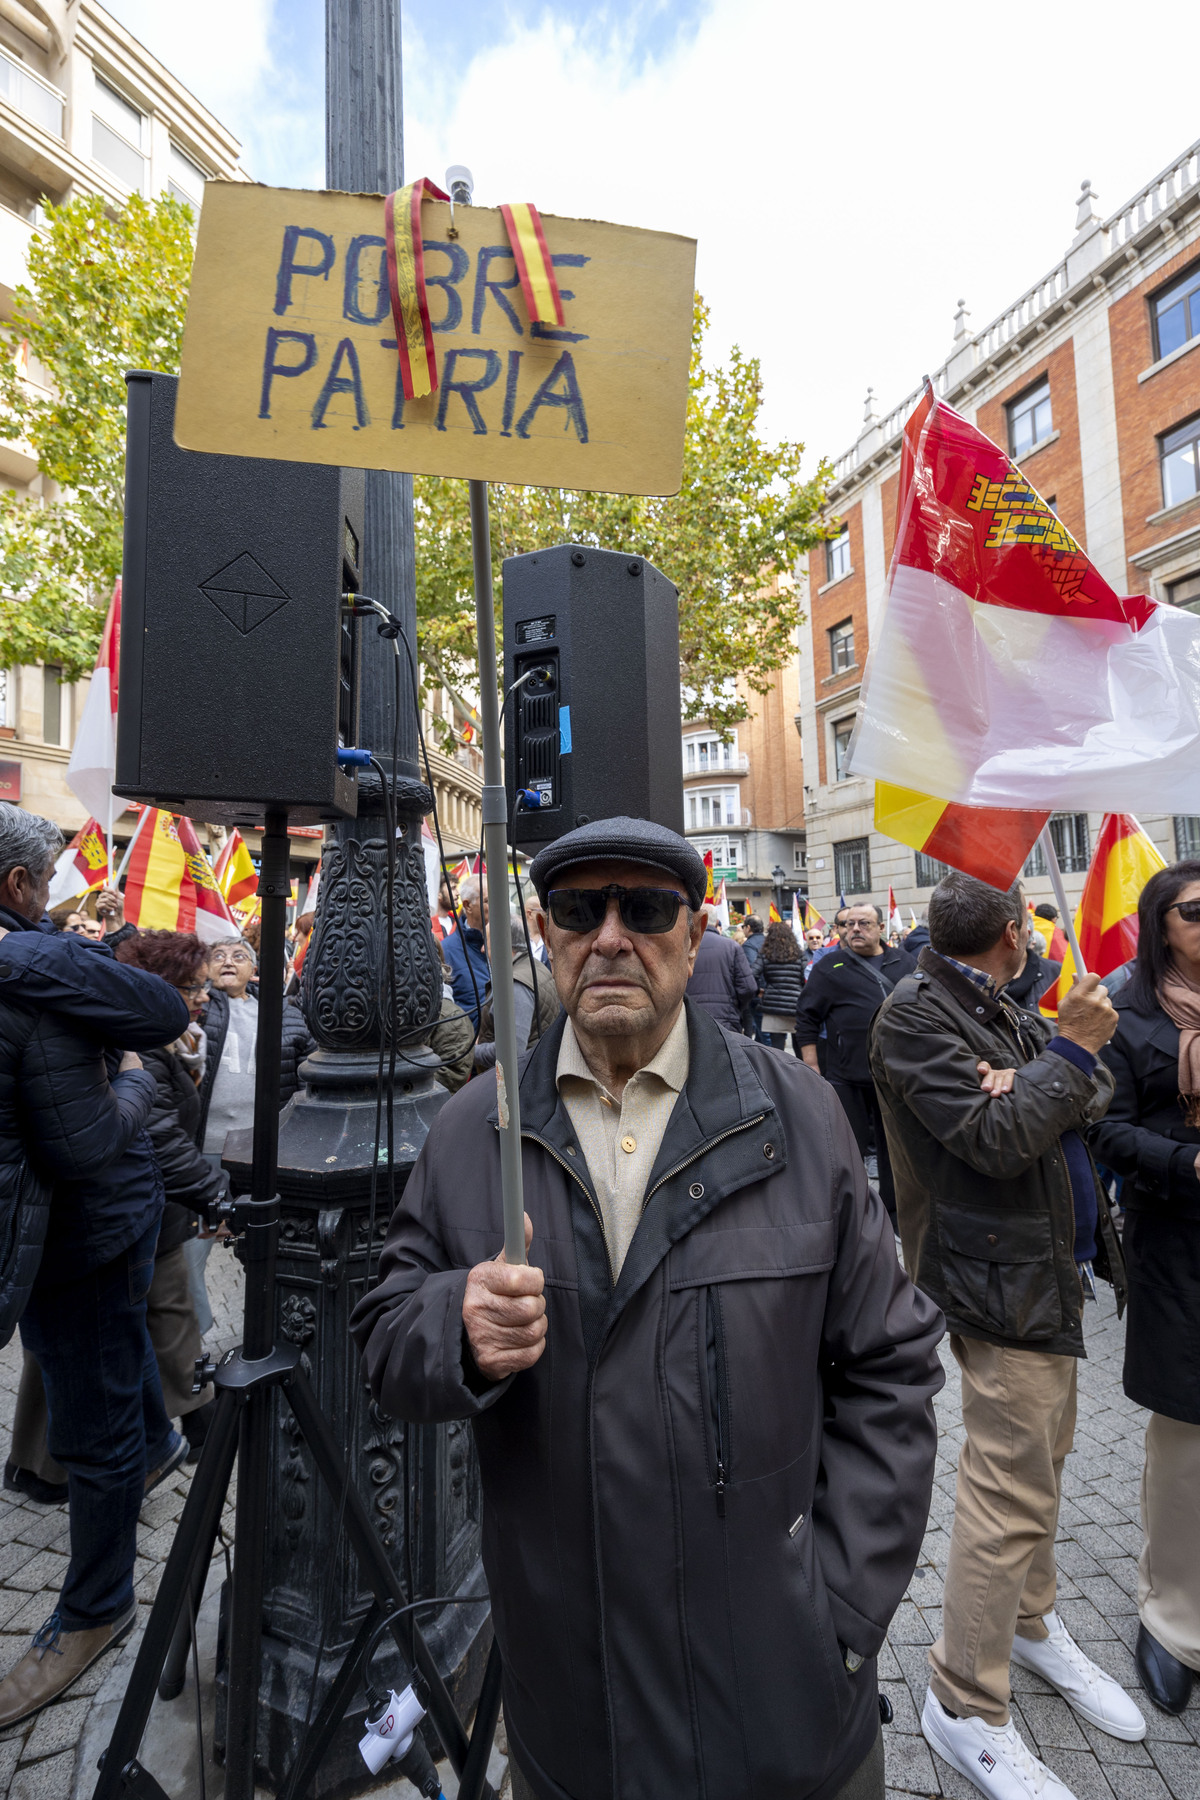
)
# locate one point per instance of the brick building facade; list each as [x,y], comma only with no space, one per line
[1090,381]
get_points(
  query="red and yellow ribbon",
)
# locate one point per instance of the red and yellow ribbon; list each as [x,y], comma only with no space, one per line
[406,278]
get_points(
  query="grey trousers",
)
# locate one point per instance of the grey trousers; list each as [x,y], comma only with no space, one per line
[866,1783]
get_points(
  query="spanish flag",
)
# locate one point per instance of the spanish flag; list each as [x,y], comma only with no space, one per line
[170,886]
[235,873]
[774,916]
[988,842]
[1106,923]
[709,890]
[812,918]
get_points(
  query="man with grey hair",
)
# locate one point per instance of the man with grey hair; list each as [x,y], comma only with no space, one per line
[999,1205]
[535,999]
[81,1200]
[465,951]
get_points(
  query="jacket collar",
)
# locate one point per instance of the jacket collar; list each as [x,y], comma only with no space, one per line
[12,921]
[972,999]
[1159,1029]
[722,1101]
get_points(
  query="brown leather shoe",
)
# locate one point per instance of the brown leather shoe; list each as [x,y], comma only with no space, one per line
[55,1659]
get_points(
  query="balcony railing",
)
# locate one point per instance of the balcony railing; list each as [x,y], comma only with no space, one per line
[31,95]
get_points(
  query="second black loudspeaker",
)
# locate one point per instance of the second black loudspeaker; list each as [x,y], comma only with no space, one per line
[595,729]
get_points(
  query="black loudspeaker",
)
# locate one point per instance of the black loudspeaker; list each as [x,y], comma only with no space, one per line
[595,730]
[239,675]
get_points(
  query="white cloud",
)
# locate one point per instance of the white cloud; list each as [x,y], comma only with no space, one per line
[220,49]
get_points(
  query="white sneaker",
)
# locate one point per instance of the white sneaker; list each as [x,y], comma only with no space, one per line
[1084,1686]
[994,1758]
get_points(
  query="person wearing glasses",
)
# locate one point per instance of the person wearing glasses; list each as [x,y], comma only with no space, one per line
[1001,1218]
[1151,1135]
[704,1410]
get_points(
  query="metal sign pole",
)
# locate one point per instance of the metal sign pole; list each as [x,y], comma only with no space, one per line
[1056,882]
[495,846]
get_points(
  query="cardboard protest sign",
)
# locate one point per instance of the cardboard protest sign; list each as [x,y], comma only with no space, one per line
[290,348]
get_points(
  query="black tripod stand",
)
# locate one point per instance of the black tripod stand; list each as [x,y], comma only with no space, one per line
[244,1380]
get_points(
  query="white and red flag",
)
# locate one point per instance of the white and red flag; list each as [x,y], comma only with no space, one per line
[1005,671]
[895,924]
[93,765]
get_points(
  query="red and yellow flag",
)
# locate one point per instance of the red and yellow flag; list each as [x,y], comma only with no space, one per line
[170,886]
[82,866]
[406,279]
[988,842]
[235,873]
[1106,922]
[812,918]
[709,890]
[774,916]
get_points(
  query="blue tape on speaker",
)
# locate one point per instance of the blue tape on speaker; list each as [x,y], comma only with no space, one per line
[564,731]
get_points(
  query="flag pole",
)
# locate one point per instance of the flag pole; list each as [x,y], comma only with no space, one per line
[1056,882]
[142,817]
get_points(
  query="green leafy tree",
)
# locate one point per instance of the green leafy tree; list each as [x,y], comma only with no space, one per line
[729,541]
[107,292]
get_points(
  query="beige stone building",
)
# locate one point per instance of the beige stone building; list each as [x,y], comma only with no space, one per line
[84,109]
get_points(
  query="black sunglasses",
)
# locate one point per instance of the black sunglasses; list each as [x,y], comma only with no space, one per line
[646,911]
[1188,910]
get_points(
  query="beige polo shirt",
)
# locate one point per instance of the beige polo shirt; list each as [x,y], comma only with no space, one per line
[620,1139]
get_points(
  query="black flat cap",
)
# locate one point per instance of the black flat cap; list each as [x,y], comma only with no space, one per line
[623,840]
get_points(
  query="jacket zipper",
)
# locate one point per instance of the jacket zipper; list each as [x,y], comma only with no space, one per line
[720,1394]
[702,1151]
[584,1190]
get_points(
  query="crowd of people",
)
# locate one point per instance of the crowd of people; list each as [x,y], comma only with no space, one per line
[764,1175]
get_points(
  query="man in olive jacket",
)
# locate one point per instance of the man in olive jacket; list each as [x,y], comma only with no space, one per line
[704,1419]
[998,1205]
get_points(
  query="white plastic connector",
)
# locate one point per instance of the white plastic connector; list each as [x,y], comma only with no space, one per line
[390,1736]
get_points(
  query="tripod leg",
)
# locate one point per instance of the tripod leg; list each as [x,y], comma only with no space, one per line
[174,1672]
[197,1529]
[376,1569]
[246,1607]
[334,1708]
[487,1711]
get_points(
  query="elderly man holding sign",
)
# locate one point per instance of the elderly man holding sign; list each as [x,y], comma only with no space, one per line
[704,1410]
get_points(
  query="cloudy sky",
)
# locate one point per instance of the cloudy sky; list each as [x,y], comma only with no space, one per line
[848,170]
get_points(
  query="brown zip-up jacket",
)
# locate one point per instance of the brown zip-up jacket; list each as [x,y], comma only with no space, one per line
[983,1196]
[718,1472]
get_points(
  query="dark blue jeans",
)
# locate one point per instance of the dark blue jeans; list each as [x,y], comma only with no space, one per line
[107,1424]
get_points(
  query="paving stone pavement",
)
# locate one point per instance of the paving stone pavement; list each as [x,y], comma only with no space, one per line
[1099,1541]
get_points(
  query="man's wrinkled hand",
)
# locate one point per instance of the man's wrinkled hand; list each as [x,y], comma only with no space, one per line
[504,1315]
[995,1081]
[1086,1015]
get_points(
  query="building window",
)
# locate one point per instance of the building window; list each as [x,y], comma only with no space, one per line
[118,136]
[841,646]
[706,754]
[1029,419]
[837,556]
[707,807]
[1176,315]
[52,694]
[1072,846]
[843,731]
[1185,593]
[1187,837]
[799,856]
[1180,453]
[929,870]
[186,180]
[36,99]
[726,852]
[852,866]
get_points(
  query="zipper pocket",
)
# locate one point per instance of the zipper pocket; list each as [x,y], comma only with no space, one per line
[718,1393]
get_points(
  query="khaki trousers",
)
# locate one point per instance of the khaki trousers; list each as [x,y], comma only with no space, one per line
[1019,1412]
[1169,1568]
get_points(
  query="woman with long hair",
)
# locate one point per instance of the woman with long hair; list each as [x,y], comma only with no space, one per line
[1151,1136]
[780,981]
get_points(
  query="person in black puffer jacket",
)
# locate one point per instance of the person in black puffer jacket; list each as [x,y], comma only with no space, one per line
[191,1181]
[76,1165]
[781,982]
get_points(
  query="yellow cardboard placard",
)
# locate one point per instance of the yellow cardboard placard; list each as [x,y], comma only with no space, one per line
[289,348]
